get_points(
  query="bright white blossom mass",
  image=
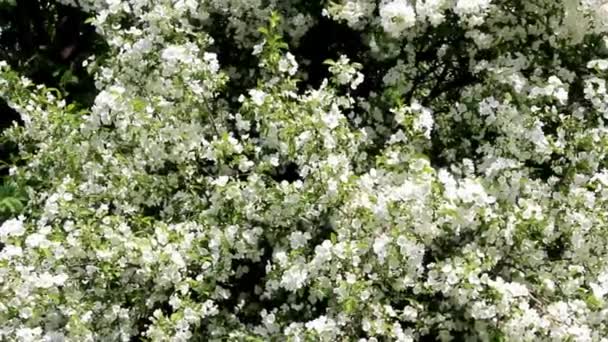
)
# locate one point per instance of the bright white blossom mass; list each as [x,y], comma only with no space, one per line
[397,16]
[430,170]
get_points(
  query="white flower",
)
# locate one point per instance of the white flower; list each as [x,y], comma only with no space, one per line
[36,240]
[409,314]
[12,227]
[177,259]
[323,251]
[432,10]
[601,13]
[257,96]
[190,315]
[322,325]
[288,64]
[380,246]
[183,5]
[468,7]
[67,197]
[600,64]
[346,72]
[561,95]
[257,49]
[211,60]
[471,191]
[60,279]
[175,302]
[559,310]
[357,80]
[351,278]
[221,181]
[424,122]
[517,289]
[299,239]
[10,251]
[47,280]
[354,12]
[174,53]
[449,184]
[555,81]
[600,288]
[28,334]
[537,136]
[209,308]
[481,310]
[332,118]
[281,258]
[54,336]
[397,16]
[294,278]
[245,164]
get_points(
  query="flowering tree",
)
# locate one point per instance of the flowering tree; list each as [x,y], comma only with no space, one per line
[442,175]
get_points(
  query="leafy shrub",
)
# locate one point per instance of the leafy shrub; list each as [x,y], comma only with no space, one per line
[435,171]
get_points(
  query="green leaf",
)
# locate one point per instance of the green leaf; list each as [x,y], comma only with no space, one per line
[350,305]
[593,302]
[333,238]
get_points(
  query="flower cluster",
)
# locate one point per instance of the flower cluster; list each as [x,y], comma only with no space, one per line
[447,181]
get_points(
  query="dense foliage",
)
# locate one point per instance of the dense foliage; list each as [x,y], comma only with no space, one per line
[296,170]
